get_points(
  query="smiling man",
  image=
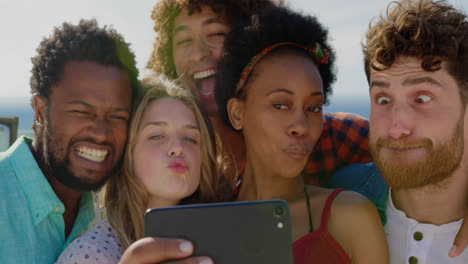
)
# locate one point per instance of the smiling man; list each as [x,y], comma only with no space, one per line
[83,80]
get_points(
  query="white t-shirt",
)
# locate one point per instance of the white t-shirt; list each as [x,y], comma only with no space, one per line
[414,243]
[98,245]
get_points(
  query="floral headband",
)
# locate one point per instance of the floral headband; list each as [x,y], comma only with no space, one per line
[320,56]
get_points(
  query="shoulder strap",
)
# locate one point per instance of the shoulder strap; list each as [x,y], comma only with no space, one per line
[327,208]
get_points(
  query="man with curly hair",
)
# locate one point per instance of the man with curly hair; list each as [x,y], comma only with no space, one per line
[83,80]
[188,47]
[416,58]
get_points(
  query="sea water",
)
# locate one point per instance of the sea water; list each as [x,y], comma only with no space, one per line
[21,107]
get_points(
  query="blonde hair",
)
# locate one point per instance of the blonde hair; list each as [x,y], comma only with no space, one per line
[125,198]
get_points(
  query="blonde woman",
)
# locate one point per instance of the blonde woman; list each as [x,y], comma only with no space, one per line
[170,159]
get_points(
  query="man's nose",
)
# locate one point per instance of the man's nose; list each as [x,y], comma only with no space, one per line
[200,49]
[100,129]
[401,123]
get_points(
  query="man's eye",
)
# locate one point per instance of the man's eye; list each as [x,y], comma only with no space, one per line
[123,118]
[182,42]
[423,98]
[383,100]
[280,106]
[80,112]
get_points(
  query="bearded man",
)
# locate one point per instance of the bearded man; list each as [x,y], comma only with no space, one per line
[415,61]
[83,80]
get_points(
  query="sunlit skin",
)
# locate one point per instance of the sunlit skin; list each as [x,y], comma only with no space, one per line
[416,126]
[197,45]
[88,108]
[407,105]
[167,155]
[281,119]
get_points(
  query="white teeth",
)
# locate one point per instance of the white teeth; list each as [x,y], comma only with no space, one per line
[204,74]
[95,155]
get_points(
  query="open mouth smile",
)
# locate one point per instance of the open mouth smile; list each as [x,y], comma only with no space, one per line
[92,154]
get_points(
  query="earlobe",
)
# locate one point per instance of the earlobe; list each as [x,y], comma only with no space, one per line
[40,109]
[235,107]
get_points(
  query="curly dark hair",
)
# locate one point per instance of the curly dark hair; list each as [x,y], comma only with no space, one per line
[165,11]
[82,42]
[430,30]
[249,37]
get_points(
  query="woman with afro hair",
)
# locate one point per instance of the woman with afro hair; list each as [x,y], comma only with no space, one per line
[272,81]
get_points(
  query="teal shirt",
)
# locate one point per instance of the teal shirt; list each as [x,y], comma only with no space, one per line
[32,229]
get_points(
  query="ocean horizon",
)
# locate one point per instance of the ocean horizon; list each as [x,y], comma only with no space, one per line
[19,106]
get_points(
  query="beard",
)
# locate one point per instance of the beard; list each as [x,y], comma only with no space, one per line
[59,168]
[438,164]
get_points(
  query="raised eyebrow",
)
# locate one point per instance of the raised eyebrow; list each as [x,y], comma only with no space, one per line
[380,84]
[415,81]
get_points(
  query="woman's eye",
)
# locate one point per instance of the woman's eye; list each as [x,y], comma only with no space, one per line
[423,98]
[155,137]
[280,106]
[190,140]
[315,109]
[383,100]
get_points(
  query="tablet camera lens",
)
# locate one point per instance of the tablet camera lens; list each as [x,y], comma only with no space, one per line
[279,211]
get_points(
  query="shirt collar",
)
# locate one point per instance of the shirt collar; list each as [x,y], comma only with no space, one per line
[40,196]
[393,212]
[85,218]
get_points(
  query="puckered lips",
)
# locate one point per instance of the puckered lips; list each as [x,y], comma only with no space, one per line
[205,81]
[298,151]
[93,156]
[178,166]
[404,150]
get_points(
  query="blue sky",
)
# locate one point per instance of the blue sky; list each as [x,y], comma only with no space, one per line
[23,23]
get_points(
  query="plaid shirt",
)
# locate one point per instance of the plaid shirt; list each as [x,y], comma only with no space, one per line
[344,141]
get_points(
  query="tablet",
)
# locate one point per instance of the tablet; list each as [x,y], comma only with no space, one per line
[236,232]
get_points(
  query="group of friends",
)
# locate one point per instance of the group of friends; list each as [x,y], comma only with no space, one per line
[233,112]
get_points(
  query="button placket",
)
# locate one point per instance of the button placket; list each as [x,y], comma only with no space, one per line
[419,244]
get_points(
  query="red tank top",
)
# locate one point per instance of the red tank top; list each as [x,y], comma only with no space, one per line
[319,246]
